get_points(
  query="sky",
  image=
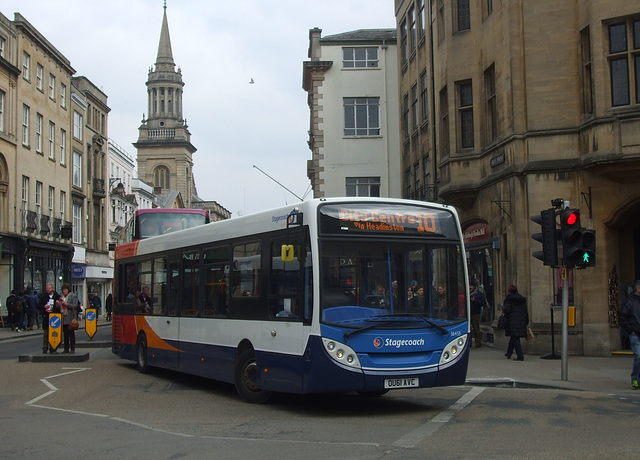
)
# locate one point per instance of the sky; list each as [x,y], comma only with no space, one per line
[219,46]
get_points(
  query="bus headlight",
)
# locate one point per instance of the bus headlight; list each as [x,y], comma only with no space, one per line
[453,349]
[341,353]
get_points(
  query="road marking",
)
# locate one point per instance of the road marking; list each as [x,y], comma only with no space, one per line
[51,386]
[413,438]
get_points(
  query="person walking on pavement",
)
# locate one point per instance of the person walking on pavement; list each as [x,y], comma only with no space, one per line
[46,305]
[477,301]
[630,322]
[109,306]
[515,309]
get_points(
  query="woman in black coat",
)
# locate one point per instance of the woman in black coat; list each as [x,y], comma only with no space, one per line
[515,309]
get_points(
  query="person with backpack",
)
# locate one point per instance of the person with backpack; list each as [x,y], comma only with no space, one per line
[18,312]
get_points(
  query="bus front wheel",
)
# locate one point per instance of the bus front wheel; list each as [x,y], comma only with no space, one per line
[246,378]
[141,354]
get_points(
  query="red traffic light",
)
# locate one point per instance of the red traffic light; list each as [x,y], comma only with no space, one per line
[572,218]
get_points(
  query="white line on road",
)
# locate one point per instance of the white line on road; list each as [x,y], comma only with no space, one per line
[414,437]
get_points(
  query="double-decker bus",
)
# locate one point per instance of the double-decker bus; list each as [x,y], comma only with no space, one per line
[305,299]
[146,223]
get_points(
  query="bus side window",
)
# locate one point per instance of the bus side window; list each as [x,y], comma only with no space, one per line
[190,282]
[215,281]
[174,292]
[159,289]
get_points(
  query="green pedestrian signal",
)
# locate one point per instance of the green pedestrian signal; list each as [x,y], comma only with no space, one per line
[578,243]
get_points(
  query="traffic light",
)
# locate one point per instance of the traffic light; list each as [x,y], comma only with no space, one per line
[578,243]
[548,237]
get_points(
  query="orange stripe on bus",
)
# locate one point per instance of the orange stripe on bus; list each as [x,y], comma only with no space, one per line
[127,250]
[153,339]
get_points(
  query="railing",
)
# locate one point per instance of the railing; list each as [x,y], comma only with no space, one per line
[43,224]
[425,193]
[166,133]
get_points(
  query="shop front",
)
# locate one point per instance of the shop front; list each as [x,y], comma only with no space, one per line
[479,246]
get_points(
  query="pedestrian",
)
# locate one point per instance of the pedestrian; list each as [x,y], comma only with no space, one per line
[514,308]
[96,303]
[630,322]
[19,307]
[11,305]
[33,302]
[69,307]
[29,313]
[46,305]
[109,306]
[477,301]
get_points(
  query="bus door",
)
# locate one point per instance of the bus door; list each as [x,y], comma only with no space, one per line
[289,304]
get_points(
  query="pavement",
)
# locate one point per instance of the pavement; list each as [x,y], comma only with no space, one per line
[488,366]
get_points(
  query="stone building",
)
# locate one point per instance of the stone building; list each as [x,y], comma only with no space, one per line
[91,271]
[351,80]
[508,105]
[36,166]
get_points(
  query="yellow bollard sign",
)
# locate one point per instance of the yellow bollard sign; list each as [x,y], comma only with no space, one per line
[90,321]
[55,330]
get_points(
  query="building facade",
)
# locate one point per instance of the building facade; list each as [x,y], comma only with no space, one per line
[90,271]
[351,80]
[36,234]
[520,103]
[122,193]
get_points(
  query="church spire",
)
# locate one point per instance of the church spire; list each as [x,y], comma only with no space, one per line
[165,152]
[164,61]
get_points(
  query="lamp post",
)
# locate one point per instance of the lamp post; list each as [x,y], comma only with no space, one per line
[119,189]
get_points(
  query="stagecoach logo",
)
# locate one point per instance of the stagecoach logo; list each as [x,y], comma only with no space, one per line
[379,342]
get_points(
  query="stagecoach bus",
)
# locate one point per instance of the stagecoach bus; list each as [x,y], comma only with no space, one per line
[358,295]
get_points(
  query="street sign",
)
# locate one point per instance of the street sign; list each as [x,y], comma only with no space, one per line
[90,321]
[55,330]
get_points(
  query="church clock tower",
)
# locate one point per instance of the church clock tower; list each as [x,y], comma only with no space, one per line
[165,152]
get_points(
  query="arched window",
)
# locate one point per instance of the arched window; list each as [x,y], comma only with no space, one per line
[161,177]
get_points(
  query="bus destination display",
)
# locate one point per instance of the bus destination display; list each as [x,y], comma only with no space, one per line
[382,219]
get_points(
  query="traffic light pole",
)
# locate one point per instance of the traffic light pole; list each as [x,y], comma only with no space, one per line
[565,324]
[565,318]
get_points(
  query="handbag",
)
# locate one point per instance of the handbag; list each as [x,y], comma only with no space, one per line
[73,324]
[502,322]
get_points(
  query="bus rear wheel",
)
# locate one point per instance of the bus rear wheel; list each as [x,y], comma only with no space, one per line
[246,379]
[141,354]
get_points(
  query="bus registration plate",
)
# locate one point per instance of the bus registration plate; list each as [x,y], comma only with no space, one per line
[407,382]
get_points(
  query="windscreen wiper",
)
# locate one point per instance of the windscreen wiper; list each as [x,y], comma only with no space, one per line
[348,334]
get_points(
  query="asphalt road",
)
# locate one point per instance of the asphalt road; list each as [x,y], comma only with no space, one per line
[104,408]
